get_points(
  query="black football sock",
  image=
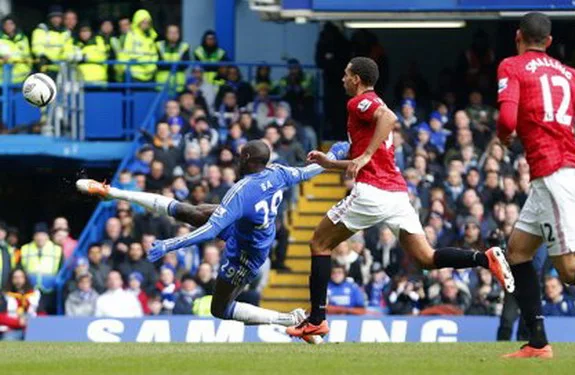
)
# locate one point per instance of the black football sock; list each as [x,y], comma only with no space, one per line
[528,296]
[454,257]
[318,280]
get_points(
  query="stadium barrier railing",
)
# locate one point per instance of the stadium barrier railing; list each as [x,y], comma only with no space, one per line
[121,104]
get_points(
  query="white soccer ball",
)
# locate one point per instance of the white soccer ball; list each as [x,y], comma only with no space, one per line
[39,90]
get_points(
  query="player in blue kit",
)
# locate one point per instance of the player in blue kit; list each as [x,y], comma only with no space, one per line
[245,219]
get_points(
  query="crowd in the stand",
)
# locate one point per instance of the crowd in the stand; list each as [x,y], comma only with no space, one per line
[466,186]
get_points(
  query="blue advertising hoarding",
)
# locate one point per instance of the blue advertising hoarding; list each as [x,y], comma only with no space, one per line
[343,329]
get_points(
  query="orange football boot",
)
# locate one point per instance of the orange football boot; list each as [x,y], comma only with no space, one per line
[500,268]
[93,187]
[527,351]
[306,328]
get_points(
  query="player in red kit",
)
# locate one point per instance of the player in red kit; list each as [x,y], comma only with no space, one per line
[379,196]
[536,100]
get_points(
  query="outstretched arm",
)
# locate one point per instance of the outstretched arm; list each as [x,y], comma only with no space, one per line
[193,215]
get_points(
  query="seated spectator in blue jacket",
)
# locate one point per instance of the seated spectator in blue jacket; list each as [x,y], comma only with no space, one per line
[555,302]
[343,295]
[378,288]
[186,296]
[406,115]
[143,160]
[438,133]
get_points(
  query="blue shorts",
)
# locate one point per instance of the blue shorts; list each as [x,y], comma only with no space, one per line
[239,269]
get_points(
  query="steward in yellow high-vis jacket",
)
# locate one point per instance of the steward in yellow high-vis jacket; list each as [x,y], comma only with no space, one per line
[139,45]
[89,52]
[209,51]
[48,42]
[172,49]
[14,49]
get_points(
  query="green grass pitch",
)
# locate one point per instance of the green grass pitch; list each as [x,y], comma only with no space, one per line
[273,359]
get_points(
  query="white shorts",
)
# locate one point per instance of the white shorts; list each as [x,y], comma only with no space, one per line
[550,211]
[367,206]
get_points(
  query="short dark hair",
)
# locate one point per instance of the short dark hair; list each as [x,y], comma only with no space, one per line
[535,27]
[366,69]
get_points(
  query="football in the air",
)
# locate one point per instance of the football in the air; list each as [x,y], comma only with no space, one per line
[39,90]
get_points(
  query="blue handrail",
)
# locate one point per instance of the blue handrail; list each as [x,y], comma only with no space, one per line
[95,227]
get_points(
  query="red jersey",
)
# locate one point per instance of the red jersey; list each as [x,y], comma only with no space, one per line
[381,171]
[544,90]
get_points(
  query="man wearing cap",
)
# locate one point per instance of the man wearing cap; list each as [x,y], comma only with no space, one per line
[42,259]
[210,52]
[82,301]
[88,51]
[172,49]
[204,92]
[15,49]
[438,135]
[406,115]
[49,40]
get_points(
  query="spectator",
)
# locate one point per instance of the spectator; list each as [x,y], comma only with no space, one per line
[209,52]
[187,103]
[137,263]
[236,138]
[186,296]
[262,108]
[135,281]
[487,295]
[19,303]
[344,256]
[217,189]
[106,32]
[288,148]
[464,138]
[296,88]
[555,303]
[203,91]
[452,300]
[82,301]
[6,256]
[116,302]
[157,178]
[406,115]
[144,158]
[165,150]
[16,50]
[249,126]
[88,51]
[70,20]
[48,42]
[68,243]
[386,252]
[212,256]
[378,288]
[97,268]
[167,286]
[405,297]
[172,112]
[228,113]
[344,296]
[481,116]
[205,278]
[139,45]
[42,259]
[472,236]
[173,49]
[453,187]
[438,134]
[403,151]
[491,193]
[234,83]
